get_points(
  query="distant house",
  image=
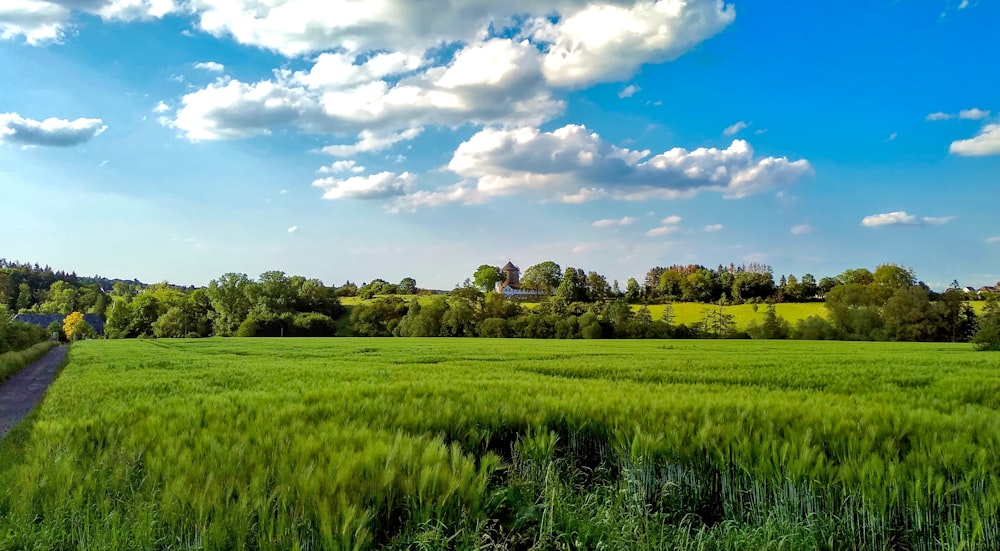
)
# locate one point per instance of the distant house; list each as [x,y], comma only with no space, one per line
[989,289]
[44,320]
[510,287]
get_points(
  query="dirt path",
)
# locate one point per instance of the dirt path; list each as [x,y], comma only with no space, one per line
[20,393]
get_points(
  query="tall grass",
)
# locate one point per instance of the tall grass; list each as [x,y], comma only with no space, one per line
[495,444]
[12,362]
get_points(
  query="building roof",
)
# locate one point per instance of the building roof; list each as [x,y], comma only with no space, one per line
[44,320]
[510,266]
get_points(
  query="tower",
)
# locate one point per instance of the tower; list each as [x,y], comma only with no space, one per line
[512,275]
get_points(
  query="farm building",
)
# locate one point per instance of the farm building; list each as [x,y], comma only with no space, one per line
[44,320]
[510,287]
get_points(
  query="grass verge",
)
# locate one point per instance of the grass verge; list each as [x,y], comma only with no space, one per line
[12,362]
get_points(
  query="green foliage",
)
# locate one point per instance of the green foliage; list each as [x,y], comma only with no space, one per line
[987,337]
[815,328]
[486,277]
[397,444]
[16,336]
[12,362]
[545,276]
[772,327]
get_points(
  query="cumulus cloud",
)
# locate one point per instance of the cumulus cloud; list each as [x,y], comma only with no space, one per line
[611,37]
[629,91]
[210,66]
[987,142]
[711,228]
[293,229]
[575,165]
[42,21]
[902,218]
[801,229]
[671,220]
[375,186]
[735,129]
[496,81]
[54,132]
[161,107]
[610,41]
[609,222]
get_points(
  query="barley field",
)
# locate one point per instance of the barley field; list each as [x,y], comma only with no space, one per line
[508,444]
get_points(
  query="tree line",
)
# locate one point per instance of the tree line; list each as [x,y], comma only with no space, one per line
[888,303]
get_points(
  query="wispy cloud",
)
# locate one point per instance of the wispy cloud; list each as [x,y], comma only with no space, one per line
[610,222]
[669,225]
[712,228]
[994,239]
[801,229]
[629,91]
[293,229]
[974,114]
[735,128]
[902,218]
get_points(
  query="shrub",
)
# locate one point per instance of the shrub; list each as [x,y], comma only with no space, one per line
[494,328]
[814,328]
[313,325]
[988,335]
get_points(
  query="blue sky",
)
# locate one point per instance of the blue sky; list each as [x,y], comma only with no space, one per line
[182,139]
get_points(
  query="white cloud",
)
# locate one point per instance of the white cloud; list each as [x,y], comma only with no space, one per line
[902,218]
[43,21]
[889,219]
[376,186]
[18,130]
[161,107]
[629,91]
[609,41]
[369,141]
[210,66]
[735,128]
[714,228]
[609,222]
[668,225]
[456,193]
[293,229]
[994,239]
[611,37]
[342,166]
[801,229]
[963,5]
[576,165]
[892,136]
[662,230]
[496,81]
[974,114]
[283,192]
[987,142]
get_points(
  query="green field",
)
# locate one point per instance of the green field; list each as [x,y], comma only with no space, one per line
[508,444]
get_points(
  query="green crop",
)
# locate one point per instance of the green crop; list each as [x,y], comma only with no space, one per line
[492,444]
